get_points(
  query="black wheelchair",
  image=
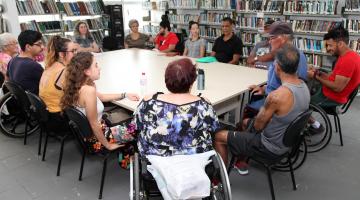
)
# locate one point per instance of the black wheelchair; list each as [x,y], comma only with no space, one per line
[143,185]
[15,115]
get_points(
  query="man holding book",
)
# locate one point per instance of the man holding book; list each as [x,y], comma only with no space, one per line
[228,47]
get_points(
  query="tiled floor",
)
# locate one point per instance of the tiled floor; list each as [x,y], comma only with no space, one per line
[330,174]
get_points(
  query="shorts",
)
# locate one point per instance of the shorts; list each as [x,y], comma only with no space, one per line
[247,144]
[321,100]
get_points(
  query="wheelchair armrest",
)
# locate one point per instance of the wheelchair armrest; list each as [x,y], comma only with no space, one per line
[144,163]
[215,163]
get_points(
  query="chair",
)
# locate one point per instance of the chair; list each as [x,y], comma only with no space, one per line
[81,129]
[22,100]
[293,138]
[180,46]
[40,112]
[340,110]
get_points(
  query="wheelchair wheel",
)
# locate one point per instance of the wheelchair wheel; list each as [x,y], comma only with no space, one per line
[297,160]
[12,119]
[318,141]
[222,190]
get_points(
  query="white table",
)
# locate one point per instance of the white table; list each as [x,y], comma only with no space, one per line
[224,83]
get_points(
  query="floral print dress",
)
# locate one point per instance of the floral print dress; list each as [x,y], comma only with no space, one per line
[167,129]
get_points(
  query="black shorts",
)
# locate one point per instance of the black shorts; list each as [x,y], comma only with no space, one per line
[247,144]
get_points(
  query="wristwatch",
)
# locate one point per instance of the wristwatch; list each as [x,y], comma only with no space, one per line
[256,58]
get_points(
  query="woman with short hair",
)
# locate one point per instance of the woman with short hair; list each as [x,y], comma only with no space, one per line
[136,39]
[8,49]
[177,122]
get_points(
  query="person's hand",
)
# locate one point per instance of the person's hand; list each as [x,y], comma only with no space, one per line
[113,146]
[311,73]
[256,90]
[132,96]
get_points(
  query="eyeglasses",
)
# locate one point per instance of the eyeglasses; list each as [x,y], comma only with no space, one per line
[39,44]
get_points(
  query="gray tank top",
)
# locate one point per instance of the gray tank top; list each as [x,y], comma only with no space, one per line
[272,136]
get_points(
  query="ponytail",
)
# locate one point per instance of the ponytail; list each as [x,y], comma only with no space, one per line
[55,45]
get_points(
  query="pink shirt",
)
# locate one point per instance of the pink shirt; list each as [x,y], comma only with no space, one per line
[4,60]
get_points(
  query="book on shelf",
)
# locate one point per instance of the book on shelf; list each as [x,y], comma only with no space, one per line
[151,29]
[81,8]
[213,17]
[309,45]
[246,51]
[355,45]
[352,25]
[249,5]
[217,4]
[209,47]
[314,59]
[96,23]
[352,5]
[43,27]
[183,18]
[210,32]
[249,38]
[274,6]
[36,7]
[328,7]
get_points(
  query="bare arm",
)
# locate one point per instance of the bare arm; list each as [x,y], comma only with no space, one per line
[95,47]
[116,97]
[185,52]
[213,53]
[337,86]
[267,111]
[235,60]
[264,58]
[202,51]
[170,49]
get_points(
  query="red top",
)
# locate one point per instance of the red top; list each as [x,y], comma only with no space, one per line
[347,65]
[165,42]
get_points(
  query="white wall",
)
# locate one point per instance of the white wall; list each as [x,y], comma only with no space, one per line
[11,16]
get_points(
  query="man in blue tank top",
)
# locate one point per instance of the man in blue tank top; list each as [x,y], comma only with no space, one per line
[281,107]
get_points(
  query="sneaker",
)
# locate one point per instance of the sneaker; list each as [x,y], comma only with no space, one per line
[315,131]
[241,167]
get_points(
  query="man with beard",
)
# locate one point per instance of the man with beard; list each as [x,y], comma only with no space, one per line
[166,41]
[345,77]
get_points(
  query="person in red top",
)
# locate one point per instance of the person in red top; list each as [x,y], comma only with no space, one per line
[345,77]
[166,41]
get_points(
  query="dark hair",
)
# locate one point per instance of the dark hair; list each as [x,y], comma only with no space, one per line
[180,75]
[228,19]
[55,45]
[75,78]
[28,37]
[288,58]
[165,24]
[269,22]
[338,34]
[192,23]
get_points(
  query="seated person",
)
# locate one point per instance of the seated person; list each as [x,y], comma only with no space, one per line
[177,122]
[80,92]
[84,38]
[280,34]
[166,41]
[195,46]
[22,69]
[345,77]
[136,39]
[261,56]
[228,47]
[8,49]
[59,53]
[281,107]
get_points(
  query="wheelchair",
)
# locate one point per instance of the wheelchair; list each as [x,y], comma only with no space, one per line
[143,185]
[13,117]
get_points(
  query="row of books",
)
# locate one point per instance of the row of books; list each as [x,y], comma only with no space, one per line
[315,26]
[162,5]
[310,45]
[314,59]
[81,8]
[250,38]
[213,17]
[97,23]
[35,7]
[184,19]
[355,45]
[312,7]
[210,32]
[258,5]
[43,27]
[246,51]
[352,5]
[352,25]
[209,46]
[250,22]
[217,4]
[184,3]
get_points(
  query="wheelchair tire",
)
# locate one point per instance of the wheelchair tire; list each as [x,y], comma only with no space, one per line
[12,120]
[222,191]
[297,160]
[316,142]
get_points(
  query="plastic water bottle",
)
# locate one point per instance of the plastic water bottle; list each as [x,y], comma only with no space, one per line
[143,84]
[201,79]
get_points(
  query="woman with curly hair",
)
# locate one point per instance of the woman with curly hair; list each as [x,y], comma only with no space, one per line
[80,92]
[84,38]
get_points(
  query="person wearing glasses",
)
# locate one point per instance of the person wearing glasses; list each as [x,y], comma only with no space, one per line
[22,69]
[8,49]
[228,47]
[84,38]
[59,52]
[136,39]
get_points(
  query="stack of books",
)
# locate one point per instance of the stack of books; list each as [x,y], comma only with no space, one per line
[36,7]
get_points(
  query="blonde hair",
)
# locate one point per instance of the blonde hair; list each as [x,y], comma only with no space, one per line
[55,45]
[5,39]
